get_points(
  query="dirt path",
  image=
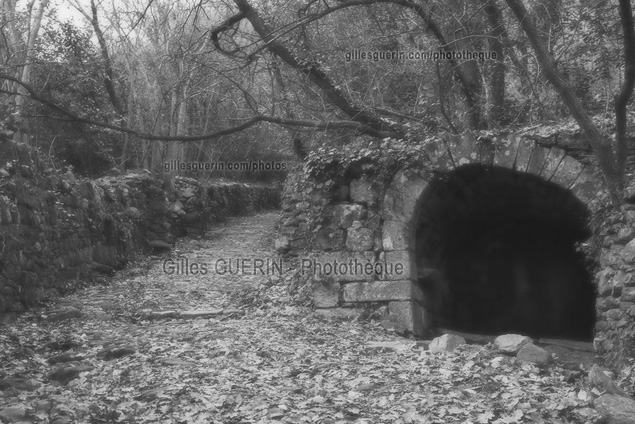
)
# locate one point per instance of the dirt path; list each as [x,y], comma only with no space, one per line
[196,274]
[200,273]
[98,356]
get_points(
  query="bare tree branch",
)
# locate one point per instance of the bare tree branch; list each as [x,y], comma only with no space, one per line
[613,173]
[470,89]
[314,73]
[103,47]
[109,77]
[228,23]
[321,125]
[622,99]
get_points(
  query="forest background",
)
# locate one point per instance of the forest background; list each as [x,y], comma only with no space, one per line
[107,86]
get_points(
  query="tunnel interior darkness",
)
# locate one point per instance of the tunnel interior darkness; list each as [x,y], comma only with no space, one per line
[497,252]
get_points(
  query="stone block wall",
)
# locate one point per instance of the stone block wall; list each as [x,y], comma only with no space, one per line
[338,234]
[362,220]
[55,227]
[615,323]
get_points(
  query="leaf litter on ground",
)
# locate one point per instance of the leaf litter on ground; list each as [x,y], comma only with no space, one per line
[276,363]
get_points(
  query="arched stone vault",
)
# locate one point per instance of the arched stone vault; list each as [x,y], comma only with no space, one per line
[509,156]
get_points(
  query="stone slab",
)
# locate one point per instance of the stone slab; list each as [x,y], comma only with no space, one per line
[363,191]
[523,155]
[398,207]
[506,150]
[408,315]
[463,149]
[359,239]
[440,158]
[398,265]
[537,160]
[341,266]
[375,291]
[567,172]
[552,162]
[395,235]
[446,343]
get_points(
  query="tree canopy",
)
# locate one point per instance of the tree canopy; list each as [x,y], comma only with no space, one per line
[144,82]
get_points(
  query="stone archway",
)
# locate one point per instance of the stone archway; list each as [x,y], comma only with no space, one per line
[531,197]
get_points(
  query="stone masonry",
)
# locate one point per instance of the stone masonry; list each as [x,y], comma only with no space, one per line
[362,231]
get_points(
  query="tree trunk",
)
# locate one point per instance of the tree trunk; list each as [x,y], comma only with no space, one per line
[313,72]
[108,77]
[36,12]
[497,79]
[613,174]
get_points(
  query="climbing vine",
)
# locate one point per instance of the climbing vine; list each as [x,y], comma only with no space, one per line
[376,158]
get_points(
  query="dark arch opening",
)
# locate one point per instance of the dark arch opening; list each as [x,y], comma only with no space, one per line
[497,251]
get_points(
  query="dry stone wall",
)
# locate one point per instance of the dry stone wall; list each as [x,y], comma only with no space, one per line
[361,220]
[615,325]
[55,227]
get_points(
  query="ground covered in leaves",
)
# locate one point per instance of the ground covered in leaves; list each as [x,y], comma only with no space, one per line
[252,357]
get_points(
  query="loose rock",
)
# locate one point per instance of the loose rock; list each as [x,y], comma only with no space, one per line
[534,354]
[13,414]
[18,384]
[510,343]
[616,409]
[446,343]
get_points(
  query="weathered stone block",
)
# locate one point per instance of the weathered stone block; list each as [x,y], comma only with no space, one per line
[628,308]
[463,148]
[624,235]
[398,207]
[396,236]
[556,155]
[329,239]
[537,160]
[363,191]
[409,184]
[523,154]
[375,291]
[511,343]
[282,244]
[568,171]
[341,266]
[628,280]
[398,265]
[359,239]
[408,315]
[585,187]
[439,157]
[614,314]
[534,354]
[446,343]
[604,282]
[345,214]
[615,409]
[628,252]
[606,303]
[506,147]
[628,294]
[617,284]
